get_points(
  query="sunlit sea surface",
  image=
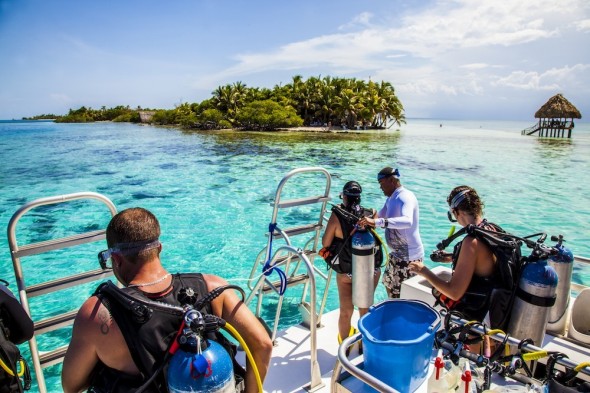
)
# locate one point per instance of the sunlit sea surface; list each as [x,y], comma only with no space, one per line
[212,190]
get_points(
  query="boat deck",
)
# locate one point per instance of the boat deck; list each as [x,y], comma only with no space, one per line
[290,369]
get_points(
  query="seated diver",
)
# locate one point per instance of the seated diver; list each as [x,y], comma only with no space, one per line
[474,264]
[471,289]
[109,346]
[337,251]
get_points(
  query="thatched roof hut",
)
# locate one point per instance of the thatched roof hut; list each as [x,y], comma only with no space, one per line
[558,107]
[555,118]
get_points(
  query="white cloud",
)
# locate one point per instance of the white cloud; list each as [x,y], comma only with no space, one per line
[426,87]
[475,66]
[583,25]
[361,20]
[452,48]
[548,80]
[444,27]
[524,80]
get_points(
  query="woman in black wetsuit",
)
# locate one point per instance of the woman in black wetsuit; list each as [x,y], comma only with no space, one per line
[337,243]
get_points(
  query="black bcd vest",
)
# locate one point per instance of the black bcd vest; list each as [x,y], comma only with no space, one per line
[149,334]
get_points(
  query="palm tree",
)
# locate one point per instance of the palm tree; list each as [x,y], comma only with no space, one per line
[348,107]
[229,99]
[392,108]
[325,105]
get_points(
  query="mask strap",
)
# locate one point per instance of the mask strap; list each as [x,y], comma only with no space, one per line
[457,199]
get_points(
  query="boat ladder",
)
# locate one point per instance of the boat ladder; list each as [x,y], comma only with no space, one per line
[291,258]
[44,359]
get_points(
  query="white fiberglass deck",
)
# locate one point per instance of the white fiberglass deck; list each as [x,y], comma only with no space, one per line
[290,369]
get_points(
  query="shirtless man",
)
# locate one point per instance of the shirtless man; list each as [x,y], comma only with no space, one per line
[99,342]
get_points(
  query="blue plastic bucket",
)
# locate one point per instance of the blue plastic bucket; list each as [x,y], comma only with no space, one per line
[398,337]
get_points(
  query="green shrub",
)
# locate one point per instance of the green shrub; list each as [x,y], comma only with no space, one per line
[267,115]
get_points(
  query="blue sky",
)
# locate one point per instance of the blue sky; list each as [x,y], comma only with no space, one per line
[473,59]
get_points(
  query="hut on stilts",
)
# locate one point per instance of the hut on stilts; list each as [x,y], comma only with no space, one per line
[555,118]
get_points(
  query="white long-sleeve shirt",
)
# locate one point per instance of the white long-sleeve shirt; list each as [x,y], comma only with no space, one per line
[403,230]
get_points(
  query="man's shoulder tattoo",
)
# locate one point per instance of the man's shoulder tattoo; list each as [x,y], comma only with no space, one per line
[105,321]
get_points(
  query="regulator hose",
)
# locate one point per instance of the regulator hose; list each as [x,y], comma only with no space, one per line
[383,244]
[231,330]
[14,373]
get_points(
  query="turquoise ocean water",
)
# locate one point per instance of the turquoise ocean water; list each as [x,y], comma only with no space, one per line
[212,190]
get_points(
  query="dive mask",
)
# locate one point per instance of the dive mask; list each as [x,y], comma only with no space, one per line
[451,216]
[125,249]
[457,199]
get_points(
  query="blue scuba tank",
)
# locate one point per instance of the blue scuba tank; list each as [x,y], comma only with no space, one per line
[363,266]
[563,263]
[211,370]
[534,297]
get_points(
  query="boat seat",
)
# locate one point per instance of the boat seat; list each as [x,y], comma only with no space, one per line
[579,326]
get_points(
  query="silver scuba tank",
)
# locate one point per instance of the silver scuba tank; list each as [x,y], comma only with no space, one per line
[534,297]
[563,263]
[363,266]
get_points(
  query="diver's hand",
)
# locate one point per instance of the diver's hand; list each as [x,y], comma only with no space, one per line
[367,222]
[417,267]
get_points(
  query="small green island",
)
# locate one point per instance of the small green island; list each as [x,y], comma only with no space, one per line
[325,103]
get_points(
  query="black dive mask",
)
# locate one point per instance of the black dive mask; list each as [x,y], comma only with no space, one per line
[451,216]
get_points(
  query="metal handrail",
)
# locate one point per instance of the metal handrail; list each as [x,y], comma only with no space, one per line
[286,235]
[41,361]
[277,201]
[344,363]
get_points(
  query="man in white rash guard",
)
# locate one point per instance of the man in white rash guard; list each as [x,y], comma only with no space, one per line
[399,216]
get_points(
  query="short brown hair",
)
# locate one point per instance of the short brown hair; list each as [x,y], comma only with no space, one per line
[134,225]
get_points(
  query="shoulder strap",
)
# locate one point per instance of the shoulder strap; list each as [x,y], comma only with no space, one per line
[108,293]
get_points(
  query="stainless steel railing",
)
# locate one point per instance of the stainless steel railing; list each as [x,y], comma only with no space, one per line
[19,251]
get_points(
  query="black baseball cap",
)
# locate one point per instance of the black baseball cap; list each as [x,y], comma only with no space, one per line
[352,188]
